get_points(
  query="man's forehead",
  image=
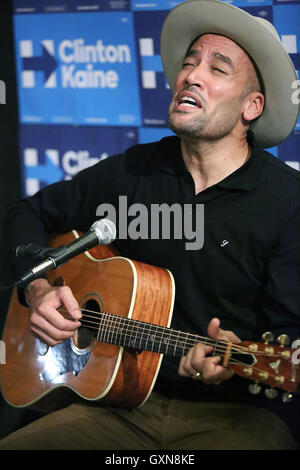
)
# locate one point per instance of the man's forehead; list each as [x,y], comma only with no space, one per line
[217,41]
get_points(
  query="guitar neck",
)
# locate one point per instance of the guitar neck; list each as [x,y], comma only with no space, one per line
[140,335]
[135,334]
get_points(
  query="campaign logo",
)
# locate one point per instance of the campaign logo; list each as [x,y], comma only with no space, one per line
[36,173]
[54,153]
[82,70]
[77,61]
[45,63]
[53,166]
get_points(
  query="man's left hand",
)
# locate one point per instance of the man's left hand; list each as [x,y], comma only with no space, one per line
[207,369]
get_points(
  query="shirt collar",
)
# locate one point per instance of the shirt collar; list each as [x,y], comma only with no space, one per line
[242,179]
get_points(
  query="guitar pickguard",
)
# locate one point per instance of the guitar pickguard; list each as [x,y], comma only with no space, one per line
[63,358]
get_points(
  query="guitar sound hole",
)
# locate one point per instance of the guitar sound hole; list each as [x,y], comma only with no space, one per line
[87,333]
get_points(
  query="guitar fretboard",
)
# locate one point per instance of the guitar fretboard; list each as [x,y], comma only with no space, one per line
[136,334]
[145,336]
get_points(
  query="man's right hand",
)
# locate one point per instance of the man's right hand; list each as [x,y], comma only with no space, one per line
[45,321]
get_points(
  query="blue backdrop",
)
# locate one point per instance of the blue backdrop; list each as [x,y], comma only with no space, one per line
[90,80]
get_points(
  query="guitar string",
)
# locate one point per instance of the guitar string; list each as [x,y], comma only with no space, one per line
[157,341]
[232,360]
[187,345]
[139,325]
[98,323]
[115,318]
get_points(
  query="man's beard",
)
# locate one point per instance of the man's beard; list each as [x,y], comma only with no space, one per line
[192,128]
[214,128]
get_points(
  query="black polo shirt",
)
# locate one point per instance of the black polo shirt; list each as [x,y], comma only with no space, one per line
[247,273]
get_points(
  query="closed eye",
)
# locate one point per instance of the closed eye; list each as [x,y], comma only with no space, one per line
[185,64]
[219,70]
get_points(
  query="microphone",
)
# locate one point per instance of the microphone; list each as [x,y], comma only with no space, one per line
[102,232]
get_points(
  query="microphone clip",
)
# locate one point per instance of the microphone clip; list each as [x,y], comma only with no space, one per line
[36,252]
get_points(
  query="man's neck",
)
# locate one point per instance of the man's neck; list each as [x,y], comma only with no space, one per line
[209,162]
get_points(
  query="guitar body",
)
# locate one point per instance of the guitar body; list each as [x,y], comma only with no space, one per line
[92,369]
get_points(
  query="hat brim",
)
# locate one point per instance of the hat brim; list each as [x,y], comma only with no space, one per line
[196,17]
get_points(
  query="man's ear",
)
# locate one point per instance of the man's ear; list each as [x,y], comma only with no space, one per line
[253,106]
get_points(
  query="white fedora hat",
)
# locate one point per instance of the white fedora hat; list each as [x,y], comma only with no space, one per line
[258,38]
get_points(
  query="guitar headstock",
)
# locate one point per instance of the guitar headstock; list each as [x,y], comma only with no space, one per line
[274,365]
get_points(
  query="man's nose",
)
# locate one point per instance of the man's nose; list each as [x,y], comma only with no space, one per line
[197,76]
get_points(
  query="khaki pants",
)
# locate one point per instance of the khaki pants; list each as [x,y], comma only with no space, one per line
[161,424]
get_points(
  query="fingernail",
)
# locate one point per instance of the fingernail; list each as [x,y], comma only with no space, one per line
[77,313]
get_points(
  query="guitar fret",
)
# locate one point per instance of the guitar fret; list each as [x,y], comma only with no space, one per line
[136,337]
[184,347]
[100,328]
[214,351]
[131,342]
[174,352]
[102,332]
[147,339]
[118,332]
[218,351]
[166,343]
[106,330]
[141,338]
[126,330]
[153,338]
[161,339]
[109,330]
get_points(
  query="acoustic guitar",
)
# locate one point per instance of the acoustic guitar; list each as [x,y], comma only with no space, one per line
[116,354]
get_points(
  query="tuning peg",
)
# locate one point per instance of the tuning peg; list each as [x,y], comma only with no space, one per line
[267,337]
[254,388]
[287,397]
[283,340]
[271,393]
